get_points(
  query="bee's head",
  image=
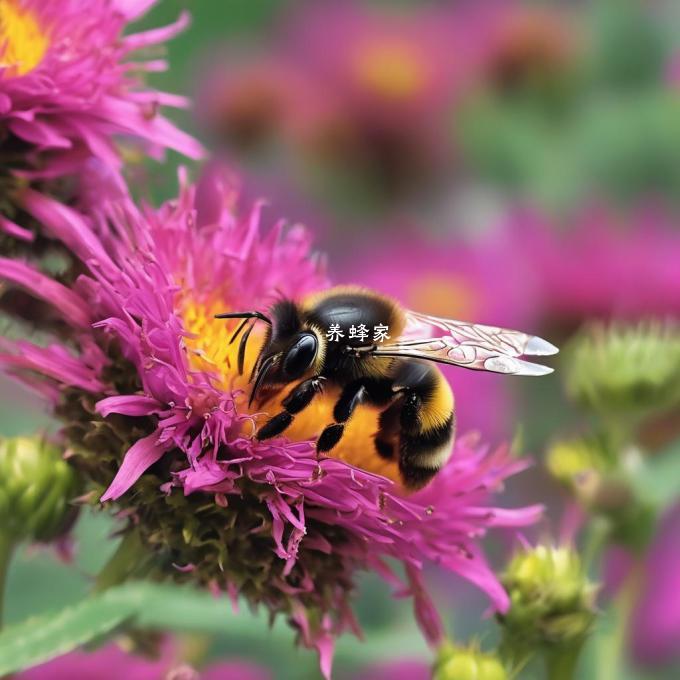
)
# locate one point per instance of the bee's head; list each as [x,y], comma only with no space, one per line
[289,351]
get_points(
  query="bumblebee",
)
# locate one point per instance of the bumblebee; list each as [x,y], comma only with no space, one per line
[316,342]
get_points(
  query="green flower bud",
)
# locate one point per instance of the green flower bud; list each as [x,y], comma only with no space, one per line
[572,461]
[36,487]
[625,371]
[467,663]
[552,601]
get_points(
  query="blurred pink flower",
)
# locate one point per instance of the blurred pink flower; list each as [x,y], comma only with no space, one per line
[112,663]
[252,99]
[67,89]
[235,670]
[655,623]
[401,65]
[524,44]
[604,265]
[107,663]
[673,70]
[399,669]
[368,87]
[153,362]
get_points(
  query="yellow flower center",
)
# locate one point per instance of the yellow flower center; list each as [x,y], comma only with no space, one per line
[441,295]
[209,350]
[23,42]
[390,70]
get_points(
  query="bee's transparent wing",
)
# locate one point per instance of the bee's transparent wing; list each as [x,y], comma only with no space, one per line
[475,346]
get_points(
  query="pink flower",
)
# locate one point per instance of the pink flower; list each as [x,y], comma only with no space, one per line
[655,621]
[386,64]
[603,266]
[107,663]
[399,669]
[149,373]
[673,70]
[112,663]
[68,90]
[525,45]
[250,101]
[362,87]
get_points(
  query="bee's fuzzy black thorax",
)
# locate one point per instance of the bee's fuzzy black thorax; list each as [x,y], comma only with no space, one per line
[354,305]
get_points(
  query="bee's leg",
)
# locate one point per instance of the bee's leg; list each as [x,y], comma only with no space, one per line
[351,396]
[298,398]
[417,429]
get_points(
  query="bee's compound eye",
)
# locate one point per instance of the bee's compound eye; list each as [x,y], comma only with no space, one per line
[300,356]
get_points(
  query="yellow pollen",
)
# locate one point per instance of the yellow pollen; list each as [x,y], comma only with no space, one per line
[23,43]
[441,295]
[209,350]
[393,71]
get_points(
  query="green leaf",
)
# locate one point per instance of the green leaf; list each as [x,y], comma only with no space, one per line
[43,637]
[174,608]
[138,604]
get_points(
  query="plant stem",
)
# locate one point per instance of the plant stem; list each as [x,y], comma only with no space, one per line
[598,532]
[611,649]
[126,561]
[515,656]
[6,551]
[561,663]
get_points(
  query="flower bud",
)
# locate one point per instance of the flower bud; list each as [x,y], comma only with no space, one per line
[467,663]
[572,461]
[551,599]
[625,371]
[36,487]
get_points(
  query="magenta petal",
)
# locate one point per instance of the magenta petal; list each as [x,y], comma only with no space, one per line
[157,35]
[128,405]
[398,669]
[325,646]
[106,663]
[426,613]
[66,225]
[617,563]
[71,306]
[39,133]
[212,193]
[133,9]
[235,670]
[13,229]
[138,459]
[54,362]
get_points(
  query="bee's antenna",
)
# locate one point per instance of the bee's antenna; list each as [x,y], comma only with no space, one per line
[242,348]
[246,316]
[261,375]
